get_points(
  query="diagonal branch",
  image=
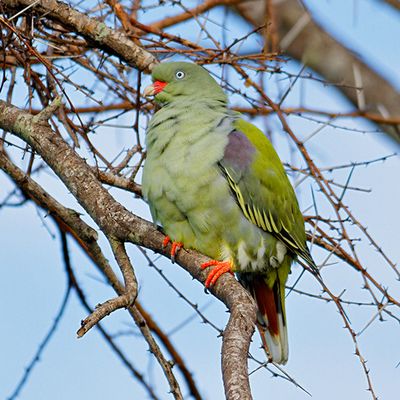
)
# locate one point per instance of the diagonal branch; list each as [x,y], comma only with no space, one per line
[74,284]
[118,222]
[317,49]
[124,300]
[178,360]
[96,32]
[42,346]
[200,9]
[69,221]
[96,255]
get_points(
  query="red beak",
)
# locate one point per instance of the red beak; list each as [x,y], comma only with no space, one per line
[154,89]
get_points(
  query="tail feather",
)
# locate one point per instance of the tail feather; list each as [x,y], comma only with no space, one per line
[271,317]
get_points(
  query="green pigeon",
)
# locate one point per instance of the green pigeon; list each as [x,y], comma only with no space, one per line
[216,185]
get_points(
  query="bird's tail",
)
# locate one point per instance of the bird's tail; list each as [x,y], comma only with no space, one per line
[271,315]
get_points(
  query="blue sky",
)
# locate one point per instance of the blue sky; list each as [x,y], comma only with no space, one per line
[321,352]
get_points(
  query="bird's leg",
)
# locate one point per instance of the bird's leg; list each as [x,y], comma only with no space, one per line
[220,268]
[175,247]
[165,242]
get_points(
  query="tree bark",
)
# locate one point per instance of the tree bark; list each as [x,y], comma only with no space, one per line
[96,32]
[118,222]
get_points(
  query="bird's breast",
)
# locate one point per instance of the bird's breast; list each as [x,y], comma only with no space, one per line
[190,196]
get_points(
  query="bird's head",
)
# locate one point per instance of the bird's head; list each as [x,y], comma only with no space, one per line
[175,80]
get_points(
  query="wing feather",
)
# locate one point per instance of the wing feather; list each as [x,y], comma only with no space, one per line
[262,189]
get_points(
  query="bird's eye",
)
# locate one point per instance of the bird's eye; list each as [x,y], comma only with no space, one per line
[179,74]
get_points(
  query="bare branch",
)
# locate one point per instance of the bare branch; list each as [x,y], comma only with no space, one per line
[42,346]
[317,49]
[113,42]
[42,55]
[71,223]
[123,300]
[116,221]
[200,9]
[74,284]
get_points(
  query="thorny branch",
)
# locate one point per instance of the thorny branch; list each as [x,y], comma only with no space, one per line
[94,31]
[46,44]
[107,337]
[306,41]
[46,340]
[69,222]
[116,221]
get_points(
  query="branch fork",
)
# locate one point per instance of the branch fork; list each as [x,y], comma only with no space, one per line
[124,300]
[48,112]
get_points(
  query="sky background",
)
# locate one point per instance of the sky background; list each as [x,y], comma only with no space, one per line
[321,352]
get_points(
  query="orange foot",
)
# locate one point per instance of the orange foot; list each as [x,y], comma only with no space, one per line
[220,267]
[176,246]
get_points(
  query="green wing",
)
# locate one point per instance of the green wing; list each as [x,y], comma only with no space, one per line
[262,189]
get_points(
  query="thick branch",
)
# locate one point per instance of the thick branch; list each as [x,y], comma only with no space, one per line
[70,222]
[316,48]
[64,216]
[113,42]
[116,221]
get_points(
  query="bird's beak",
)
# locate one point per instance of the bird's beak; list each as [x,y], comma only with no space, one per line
[154,89]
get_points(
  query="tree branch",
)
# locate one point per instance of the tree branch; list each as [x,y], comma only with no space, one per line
[125,299]
[118,222]
[186,15]
[316,48]
[74,284]
[69,221]
[103,37]
[178,360]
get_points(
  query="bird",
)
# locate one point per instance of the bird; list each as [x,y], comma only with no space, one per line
[215,184]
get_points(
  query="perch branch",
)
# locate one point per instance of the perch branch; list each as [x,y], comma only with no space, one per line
[69,222]
[118,222]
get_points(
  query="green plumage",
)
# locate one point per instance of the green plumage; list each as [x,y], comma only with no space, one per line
[216,184]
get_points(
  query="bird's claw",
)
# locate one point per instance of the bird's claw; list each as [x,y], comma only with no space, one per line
[220,268]
[175,247]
